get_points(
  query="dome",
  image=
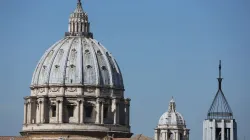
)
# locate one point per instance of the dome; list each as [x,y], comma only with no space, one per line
[171,117]
[77,89]
[77,60]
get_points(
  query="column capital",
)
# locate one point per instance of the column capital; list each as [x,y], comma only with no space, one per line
[59,99]
[100,100]
[80,99]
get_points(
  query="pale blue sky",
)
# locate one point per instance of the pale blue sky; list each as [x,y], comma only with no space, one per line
[164,48]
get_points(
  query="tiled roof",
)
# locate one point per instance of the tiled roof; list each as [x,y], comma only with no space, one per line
[13,138]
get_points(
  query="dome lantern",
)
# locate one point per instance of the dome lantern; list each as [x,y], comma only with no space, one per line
[78,23]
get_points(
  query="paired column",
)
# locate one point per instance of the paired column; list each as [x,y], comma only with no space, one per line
[80,110]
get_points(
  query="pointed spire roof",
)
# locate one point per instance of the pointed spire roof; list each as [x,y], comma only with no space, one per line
[220,108]
[79,8]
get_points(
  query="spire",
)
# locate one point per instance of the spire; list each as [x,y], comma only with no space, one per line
[172,106]
[78,23]
[220,79]
[220,108]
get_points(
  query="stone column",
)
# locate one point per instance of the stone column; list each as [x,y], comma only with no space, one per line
[163,132]
[29,112]
[102,112]
[38,119]
[78,111]
[232,130]
[114,109]
[42,110]
[98,102]
[214,130]
[167,134]
[223,130]
[25,113]
[60,112]
[82,111]
[57,111]
[127,115]
[177,137]
[115,104]
[156,134]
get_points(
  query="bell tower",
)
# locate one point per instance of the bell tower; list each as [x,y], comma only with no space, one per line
[220,124]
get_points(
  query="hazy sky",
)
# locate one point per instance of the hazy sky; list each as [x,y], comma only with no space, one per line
[164,48]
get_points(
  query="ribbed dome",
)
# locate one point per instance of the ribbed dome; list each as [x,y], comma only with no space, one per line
[172,117]
[77,60]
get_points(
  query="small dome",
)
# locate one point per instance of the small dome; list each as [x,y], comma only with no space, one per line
[80,61]
[171,117]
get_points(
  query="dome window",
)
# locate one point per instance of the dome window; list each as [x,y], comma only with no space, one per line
[104,68]
[88,66]
[87,51]
[44,67]
[74,50]
[99,52]
[57,66]
[72,66]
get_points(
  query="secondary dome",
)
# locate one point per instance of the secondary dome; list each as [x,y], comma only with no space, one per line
[172,117]
[78,59]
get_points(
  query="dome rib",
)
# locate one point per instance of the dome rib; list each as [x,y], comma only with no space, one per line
[97,72]
[67,59]
[110,71]
[54,80]
[36,74]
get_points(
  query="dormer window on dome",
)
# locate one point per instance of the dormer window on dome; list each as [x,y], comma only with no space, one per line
[78,23]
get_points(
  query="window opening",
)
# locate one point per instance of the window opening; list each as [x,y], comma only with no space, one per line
[70,110]
[88,110]
[53,110]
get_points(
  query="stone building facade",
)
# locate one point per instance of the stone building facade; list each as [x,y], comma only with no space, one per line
[77,89]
